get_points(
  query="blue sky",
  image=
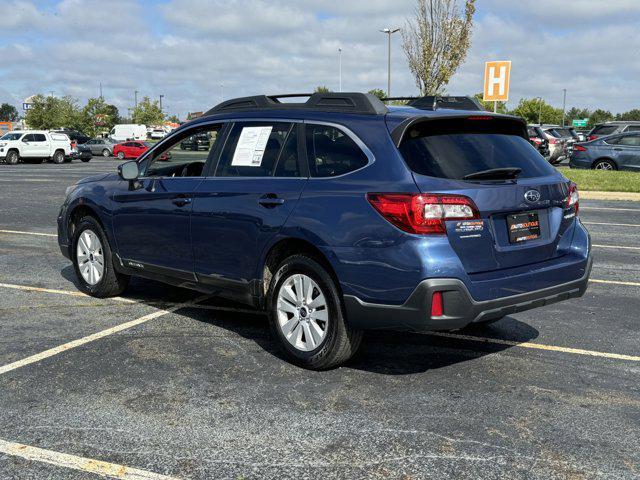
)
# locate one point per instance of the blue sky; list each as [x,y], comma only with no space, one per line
[185,49]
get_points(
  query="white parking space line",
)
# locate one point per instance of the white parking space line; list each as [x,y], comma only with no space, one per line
[97,467]
[95,336]
[537,346]
[32,180]
[72,293]
[610,209]
[20,232]
[615,282]
[613,224]
[616,246]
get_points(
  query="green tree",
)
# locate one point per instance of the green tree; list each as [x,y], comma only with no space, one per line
[630,115]
[436,42]
[599,116]
[148,112]
[378,92]
[173,118]
[98,115]
[575,113]
[8,113]
[55,112]
[536,110]
[488,106]
[322,89]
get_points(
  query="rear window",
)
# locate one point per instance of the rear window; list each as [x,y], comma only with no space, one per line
[457,148]
[604,129]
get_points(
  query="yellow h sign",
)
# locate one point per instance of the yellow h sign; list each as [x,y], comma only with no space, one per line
[496,81]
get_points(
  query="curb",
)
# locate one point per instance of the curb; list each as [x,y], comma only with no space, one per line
[623,196]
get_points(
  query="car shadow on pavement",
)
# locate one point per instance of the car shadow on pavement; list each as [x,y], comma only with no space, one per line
[384,352]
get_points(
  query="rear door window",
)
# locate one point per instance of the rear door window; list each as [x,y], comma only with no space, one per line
[332,152]
[253,149]
[459,147]
[604,129]
[630,141]
[633,128]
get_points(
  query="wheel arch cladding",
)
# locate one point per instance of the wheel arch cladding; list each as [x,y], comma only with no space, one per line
[286,247]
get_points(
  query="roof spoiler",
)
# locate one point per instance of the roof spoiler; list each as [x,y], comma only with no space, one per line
[359,103]
[435,102]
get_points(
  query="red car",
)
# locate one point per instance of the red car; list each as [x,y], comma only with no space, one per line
[131,149]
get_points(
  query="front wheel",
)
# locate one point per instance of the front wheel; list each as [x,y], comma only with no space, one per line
[12,158]
[307,316]
[106,152]
[93,261]
[120,155]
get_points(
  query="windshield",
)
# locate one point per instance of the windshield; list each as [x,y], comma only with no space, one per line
[456,149]
[11,136]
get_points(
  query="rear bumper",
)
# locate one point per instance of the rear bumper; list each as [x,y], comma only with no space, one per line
[459,306]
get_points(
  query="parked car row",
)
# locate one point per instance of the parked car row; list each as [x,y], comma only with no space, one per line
[613,152]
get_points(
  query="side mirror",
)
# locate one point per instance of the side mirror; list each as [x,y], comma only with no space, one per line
[128,171]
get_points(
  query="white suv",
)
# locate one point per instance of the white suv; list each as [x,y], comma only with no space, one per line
[34,145]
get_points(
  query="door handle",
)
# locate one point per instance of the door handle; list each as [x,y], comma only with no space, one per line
[181,200]
[270,200]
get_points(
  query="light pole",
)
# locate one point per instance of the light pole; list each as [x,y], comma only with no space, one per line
[539,110]
[161,97]
[340,68]
[222,92]
[389,32]
[135,98]
[564,103]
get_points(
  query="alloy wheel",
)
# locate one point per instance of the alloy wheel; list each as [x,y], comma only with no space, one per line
[303,314]
[90,257]
[604,166]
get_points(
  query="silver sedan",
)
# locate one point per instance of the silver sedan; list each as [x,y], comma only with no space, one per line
[100,146]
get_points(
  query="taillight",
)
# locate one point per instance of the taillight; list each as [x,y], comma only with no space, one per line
[579,148]
[573,199]
[553,141]
[423,213]
[536,140]
[591,137]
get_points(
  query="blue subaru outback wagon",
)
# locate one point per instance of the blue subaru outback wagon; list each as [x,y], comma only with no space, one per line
[337,215]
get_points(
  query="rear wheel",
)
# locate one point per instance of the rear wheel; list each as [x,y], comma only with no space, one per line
[604,165]
[106,152]
[12,158]
[58,157]
[120,155]
[306,315]
[93,261]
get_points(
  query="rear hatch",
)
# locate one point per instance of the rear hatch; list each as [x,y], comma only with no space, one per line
[521,200]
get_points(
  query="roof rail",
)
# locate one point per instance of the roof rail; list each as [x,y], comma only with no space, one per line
[362,103]
[435,102]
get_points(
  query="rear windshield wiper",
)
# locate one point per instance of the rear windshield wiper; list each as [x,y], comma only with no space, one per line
[495,173]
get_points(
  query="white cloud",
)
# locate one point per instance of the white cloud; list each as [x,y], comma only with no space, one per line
[185,49]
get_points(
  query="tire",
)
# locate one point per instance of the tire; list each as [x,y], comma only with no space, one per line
[58,157]
[120,155]
[604,164]
[12,158]
[106,152]
[333,342]
[110,282]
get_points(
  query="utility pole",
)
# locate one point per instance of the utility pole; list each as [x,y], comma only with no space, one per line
[135,98]
[161,97]
[564,103]
[51,93]
[539,110]
[101,91]
[389,32]
[340,68]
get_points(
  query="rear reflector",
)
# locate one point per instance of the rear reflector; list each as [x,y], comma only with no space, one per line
[437,305]
[423,213]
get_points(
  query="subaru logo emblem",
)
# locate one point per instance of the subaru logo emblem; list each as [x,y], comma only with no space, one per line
[532,196]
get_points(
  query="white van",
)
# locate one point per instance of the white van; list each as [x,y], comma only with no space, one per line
[129,131]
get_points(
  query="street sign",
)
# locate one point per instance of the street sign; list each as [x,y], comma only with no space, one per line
[27,106]
[579,122]
[496,81]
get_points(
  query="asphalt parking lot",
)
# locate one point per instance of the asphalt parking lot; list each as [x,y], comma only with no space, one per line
[153,385]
